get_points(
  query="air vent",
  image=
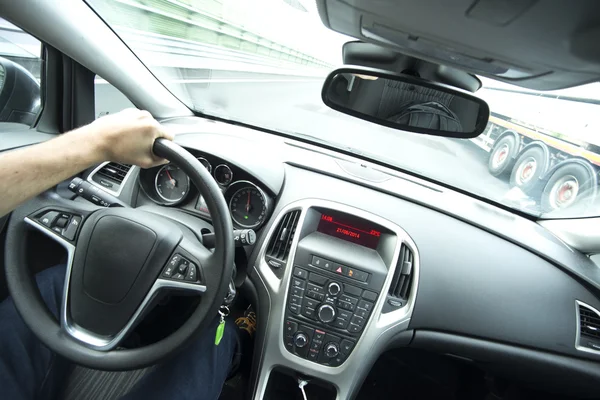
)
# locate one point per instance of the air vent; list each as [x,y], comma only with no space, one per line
[113,171]
[589,328]
[281,241]
[401,283]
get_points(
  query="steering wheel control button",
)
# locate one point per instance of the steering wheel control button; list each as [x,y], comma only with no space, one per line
[334,288]
[191,275]
[300,340]
[179,276]
[300,273]
[331,350]
[168,272]
[326,313]
[175,260]
[48,218]
[316,278]
[62,221]
[71,229]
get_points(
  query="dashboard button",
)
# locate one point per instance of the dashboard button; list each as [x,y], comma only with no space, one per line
[352,290]
[367,305]
[348,299]
[346,346]
[316,278]
[319,335]
[300,273]
[368,295]
[300,340]
[298,283]
[340,269]
[328,265]
[296,291]
[313,355]
[361,312]
[310,303]
[359,275]
[345,305]
[316,345]
[341,323]
[317,261]
[290,328]
[358,320]
[334,288]
[308,312]
[297,300]
[294,308]
[345,314]
[315,288]
[354,328]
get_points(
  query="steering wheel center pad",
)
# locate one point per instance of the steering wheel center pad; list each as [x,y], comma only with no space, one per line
[120,254]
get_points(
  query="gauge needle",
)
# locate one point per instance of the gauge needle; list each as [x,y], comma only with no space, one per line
[172,181]
[248,203]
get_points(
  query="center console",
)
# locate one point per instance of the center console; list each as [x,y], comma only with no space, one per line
[341,284]
[337,277]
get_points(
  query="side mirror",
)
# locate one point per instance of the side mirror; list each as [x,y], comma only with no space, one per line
[405,102]
[19,94]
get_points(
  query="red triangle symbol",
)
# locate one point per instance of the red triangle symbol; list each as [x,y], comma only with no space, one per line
[339,270]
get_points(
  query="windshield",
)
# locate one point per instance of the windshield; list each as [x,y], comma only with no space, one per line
[263,63]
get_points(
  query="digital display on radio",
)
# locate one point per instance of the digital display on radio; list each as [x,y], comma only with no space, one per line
[351,231]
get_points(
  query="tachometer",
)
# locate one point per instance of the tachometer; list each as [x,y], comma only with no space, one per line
[172,184]
[248,206]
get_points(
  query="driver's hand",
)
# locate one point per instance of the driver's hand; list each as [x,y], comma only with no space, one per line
[128,136]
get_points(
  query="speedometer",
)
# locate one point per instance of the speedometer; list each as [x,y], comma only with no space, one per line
[248,206]
[171,184]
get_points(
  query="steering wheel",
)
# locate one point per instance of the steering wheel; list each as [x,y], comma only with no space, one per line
[120,262]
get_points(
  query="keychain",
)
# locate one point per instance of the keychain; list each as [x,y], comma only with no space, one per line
[223,312]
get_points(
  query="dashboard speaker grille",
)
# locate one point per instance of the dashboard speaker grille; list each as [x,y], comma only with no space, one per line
[114,171]
[589,322]
[281,241]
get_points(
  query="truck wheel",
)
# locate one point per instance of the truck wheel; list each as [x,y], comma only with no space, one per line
[501,157]
[528,168]
[565,187]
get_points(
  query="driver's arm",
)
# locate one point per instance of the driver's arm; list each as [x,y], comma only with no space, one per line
[126,137]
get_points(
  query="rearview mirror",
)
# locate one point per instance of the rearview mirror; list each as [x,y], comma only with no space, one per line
[405,102]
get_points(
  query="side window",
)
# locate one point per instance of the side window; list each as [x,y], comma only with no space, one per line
[20,75]
[108,99]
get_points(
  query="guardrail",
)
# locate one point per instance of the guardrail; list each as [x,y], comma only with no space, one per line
[177,20]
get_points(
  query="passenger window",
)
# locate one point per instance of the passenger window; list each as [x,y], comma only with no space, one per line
[20,75]
[108,99]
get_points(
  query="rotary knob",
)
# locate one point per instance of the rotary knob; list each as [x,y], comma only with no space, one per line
[300,340]
[334,288]
[331,350]
[326,313]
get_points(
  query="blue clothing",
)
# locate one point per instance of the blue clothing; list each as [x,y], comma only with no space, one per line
[29,370]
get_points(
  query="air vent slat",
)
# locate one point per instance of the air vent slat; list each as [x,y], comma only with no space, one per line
[114,171]
[402,279]
[589,323]
[283,236]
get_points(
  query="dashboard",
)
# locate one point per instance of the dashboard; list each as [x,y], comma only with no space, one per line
[249,203]
[353,258]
